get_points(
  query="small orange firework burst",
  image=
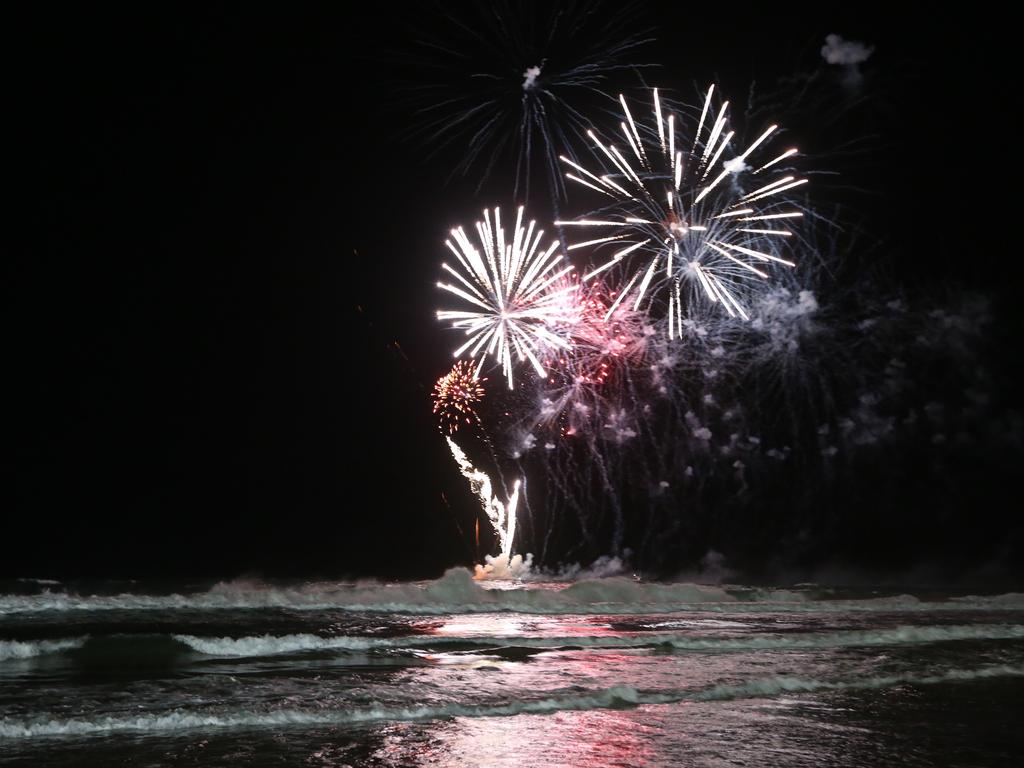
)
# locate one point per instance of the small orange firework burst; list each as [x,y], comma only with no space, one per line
[456,395]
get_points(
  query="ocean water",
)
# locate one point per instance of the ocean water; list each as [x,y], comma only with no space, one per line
[607,672]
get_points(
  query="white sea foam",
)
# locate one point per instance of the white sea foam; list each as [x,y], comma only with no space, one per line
[27,649]
[616,696]
[1010,600]
[267,645]
[456,592]
[270,645]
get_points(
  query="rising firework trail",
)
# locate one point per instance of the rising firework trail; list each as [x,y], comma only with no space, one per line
[515,291]
[692,215]
[501,515]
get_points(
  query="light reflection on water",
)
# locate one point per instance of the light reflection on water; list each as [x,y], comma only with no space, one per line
[813,729]
[335,688]
[595,738]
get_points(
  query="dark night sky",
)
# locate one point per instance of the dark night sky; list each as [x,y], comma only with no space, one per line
[219,234]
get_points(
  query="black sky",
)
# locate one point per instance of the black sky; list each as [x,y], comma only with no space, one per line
[218,292]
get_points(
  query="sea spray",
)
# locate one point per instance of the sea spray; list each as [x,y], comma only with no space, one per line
[619,696]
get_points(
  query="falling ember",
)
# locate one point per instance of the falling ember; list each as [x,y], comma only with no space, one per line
[502,516]
[514,292]
[681,209]
[456,395]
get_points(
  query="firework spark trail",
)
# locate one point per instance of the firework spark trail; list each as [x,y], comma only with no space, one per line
[675,212]
[502,516]
[515,292]
[588,400]
[514,76]
[610,417]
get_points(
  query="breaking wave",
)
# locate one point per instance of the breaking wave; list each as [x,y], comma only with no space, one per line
[27,649]
[256,646]
[270,645]
[456,592]
[615,697]
[266,645]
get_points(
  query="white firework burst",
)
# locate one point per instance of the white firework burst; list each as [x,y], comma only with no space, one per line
[691,214]
[516,291]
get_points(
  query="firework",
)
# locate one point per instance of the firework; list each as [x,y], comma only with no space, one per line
[692,213]
[456,395]
[512,75]
[515,290]
[606,335]
[587,381]
[501,515]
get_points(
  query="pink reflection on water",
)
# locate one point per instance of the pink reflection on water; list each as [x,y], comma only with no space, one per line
[510,625]
[591,739]
[482,626]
